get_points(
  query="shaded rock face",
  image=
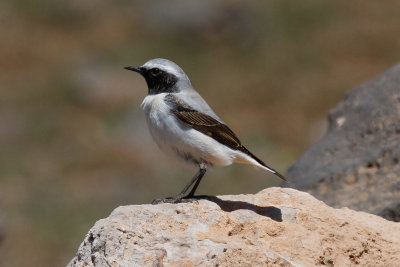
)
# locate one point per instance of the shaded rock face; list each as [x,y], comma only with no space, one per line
[357,163]
[276,227]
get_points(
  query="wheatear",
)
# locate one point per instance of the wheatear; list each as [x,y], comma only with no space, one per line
[182,124]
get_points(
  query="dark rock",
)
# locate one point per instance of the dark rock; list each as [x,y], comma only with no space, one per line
[357,163]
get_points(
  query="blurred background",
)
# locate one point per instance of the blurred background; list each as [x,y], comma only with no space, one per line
[73,139]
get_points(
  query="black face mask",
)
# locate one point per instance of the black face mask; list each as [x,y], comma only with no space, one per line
[160,81]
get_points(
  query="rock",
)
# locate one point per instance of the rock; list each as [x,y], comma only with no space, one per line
[356,164]
[276,227]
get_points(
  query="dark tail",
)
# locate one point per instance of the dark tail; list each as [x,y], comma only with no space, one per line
[244,150]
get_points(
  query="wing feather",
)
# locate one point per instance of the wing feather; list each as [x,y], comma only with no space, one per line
[210,126]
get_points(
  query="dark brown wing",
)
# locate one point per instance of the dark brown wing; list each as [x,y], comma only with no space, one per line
[209,126]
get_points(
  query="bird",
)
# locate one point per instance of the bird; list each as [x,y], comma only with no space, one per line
[183,124]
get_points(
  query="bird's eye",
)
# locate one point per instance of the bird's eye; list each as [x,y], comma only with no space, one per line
[155,71]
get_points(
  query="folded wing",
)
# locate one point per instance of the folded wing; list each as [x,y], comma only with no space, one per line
[210,126]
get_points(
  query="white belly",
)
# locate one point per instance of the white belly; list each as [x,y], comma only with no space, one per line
[173,137]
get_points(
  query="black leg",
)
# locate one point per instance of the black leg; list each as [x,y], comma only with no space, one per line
[197,178]
[191,194]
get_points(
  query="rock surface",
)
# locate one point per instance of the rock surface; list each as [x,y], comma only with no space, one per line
[276,227]
[356,164]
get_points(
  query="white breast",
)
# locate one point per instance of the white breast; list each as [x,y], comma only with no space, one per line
[161,124]
[172,136]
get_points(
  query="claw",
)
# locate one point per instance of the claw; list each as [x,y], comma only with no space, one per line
[174,200]
[165,200]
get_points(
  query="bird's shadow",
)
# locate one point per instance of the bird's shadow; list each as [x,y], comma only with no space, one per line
[229,205]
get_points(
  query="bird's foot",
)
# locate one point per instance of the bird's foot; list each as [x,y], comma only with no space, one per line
[174,200]
[165,200]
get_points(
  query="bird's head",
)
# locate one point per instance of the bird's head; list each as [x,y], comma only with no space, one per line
[162,76]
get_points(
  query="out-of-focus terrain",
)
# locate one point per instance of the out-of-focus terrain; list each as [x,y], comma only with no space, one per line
[73,140]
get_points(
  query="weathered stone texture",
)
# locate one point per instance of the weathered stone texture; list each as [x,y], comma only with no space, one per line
[276,227]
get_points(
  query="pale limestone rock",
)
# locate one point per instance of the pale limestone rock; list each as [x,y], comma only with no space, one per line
[276,227]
